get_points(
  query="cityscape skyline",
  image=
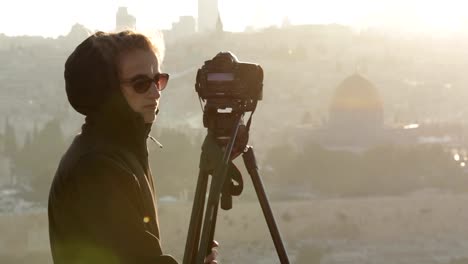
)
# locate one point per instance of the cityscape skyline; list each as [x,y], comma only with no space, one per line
[42,19]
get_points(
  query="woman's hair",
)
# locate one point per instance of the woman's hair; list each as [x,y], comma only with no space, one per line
[92,70]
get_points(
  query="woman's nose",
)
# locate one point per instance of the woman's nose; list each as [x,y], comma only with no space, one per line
[154,91]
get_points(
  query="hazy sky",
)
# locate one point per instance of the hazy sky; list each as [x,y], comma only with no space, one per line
[53,17]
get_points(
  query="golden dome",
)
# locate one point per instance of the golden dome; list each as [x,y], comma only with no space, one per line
[356,93]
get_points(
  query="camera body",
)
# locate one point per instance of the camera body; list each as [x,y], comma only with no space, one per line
[225,79]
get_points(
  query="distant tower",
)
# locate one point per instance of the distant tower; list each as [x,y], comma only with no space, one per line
[124,21]
[208,15]
[219,25]
[286,22]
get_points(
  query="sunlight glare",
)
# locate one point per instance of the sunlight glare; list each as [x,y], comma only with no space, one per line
[57,17]
[443,16]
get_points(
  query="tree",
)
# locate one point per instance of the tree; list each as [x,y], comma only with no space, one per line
[37,160]
[175,167]
[10,140]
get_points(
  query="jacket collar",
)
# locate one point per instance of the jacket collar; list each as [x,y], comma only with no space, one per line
[117,123]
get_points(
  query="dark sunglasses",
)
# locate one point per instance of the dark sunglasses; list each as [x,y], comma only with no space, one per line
[142,83]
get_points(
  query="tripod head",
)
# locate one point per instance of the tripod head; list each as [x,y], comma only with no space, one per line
[224,119]
[220,127]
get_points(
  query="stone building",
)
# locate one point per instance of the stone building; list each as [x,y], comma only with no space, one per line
[185,27]
[124,21]
[208,16]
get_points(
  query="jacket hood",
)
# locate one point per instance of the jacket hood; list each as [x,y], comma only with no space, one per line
[93,89]
[90,77]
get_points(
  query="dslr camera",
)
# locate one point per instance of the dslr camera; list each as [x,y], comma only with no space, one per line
[225,82]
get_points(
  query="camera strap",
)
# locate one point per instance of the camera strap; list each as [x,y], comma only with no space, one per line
[232,187]
[237,183]
[250,117]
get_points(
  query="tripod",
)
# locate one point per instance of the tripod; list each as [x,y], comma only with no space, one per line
[197,248]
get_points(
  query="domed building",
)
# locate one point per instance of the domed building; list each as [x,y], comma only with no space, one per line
[356,123]
[356,103]
[356,117]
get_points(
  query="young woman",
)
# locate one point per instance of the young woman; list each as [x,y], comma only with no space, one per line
[102,206]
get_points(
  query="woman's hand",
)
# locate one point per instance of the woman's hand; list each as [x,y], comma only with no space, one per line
[211,259]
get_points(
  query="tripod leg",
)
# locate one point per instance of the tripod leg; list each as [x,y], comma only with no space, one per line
[213,228]
[193,236]
[211,213]
[251,165]
[219,177]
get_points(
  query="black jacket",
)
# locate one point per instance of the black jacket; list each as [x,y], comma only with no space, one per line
[102,206]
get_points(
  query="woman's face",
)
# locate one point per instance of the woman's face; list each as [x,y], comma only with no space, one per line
[136,67]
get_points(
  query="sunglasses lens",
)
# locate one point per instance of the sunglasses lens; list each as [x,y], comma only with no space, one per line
[162,81]
[142,86]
